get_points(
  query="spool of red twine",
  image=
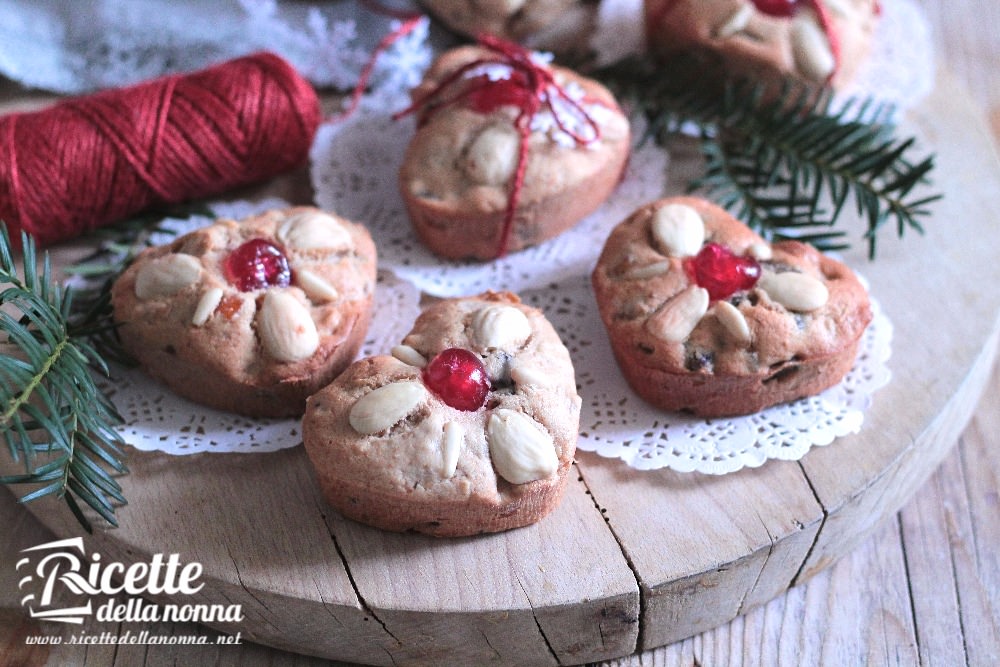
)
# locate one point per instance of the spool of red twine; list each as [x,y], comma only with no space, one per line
[91,160]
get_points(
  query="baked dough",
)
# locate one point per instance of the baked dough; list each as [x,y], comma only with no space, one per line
[560,26]
[390,452]
[824,41]
[459,169]
[792,334]
[259,352]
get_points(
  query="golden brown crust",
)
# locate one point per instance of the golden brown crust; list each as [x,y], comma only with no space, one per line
[456,195]
[712,372]
[732,35]
[513,20]
[551,25]
[397,479]
[222,363]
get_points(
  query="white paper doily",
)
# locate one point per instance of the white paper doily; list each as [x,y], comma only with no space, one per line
[157,419]
[354,166]
[354,172]
[616,423]
[78,46]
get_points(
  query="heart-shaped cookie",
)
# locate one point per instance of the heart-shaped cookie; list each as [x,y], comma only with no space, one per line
[470,426]
[705,316]
[250,316]
[814,42]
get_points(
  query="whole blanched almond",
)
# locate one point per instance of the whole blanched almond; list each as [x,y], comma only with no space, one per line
[840,7]
[810,46]
[525,375]
[166,276]
[384,407]
[492,156]
[679,316]
[286,327]
[736,22]
[315,286]
[509,7]
[209,301]
[409,355]
[451,447]
[499,327]
[314,230]
[678,230]
[648,271]
[761,251]
[733,321]
[521,449]
[795,291]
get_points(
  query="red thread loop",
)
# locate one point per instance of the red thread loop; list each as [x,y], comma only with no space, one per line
[530,87]
[410,22]
[96,159]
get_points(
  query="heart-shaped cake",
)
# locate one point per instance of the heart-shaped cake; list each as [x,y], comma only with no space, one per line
[509,151]
[560,26]
[706,316]
[469,427]
[250,316]
[816,42]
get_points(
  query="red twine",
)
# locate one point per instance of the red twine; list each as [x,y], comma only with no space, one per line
[410,23]
[96,159]
[530,88]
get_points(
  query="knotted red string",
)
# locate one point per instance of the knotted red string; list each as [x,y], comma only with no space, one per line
[531,87]
[410,22]
[95,159]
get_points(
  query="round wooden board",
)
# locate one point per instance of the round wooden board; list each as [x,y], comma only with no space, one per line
[630,560]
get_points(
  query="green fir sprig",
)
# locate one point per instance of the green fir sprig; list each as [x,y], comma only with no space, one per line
[53,415]
[784,161]
[56,419]
[115,247]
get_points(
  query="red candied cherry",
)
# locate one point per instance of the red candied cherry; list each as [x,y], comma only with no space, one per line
[459,379]
[721,272]
[257,264]
[781,8]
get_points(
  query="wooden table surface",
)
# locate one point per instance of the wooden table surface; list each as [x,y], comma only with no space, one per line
[925,589]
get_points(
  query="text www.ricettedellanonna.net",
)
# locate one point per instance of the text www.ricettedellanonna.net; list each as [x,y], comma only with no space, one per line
[134,638]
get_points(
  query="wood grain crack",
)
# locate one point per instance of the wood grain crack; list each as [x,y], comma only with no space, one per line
[534,616]
[643,592]
[819,531]
[770,551]
[239,578]
[955,583]
[909,582]
[357,591]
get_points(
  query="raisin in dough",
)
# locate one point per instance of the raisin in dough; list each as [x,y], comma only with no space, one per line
[259,352]
[791,334]
[390,452]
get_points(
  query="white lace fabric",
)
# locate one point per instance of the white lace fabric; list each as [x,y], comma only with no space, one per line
[354,167]
[83,45]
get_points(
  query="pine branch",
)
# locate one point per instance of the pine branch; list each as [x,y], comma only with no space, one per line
[52,413]
[787,165]
[114,249]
